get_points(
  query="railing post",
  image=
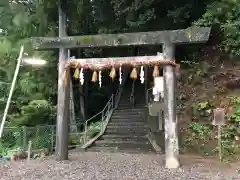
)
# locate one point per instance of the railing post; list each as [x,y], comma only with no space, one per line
[115,99]
[113,105]
[24,137]
[37,138]
[147,97]
[85,133]
[52,139]
[101,125]
[108,107]
[29,150]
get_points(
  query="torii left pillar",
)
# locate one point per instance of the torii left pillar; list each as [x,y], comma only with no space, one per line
[63,96]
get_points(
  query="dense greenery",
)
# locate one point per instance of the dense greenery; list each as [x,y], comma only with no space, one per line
[202,137]
[35,95]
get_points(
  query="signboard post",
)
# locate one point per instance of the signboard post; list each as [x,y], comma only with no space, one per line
[219,121]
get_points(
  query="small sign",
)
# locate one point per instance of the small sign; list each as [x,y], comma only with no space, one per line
[156,98]
[219,117]
[154,91]
[159,84]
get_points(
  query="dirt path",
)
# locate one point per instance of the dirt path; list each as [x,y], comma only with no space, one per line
[118,166]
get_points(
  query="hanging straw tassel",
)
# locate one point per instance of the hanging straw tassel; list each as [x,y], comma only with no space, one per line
[94,76]
[133,74]
[177,71]
[112,73]
[155,71]
[76,73]
[65,78]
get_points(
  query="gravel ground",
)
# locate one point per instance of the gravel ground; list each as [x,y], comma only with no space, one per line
[113,166]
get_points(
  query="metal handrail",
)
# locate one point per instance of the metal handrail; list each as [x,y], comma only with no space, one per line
[110,106]
[147,95]
[117,97]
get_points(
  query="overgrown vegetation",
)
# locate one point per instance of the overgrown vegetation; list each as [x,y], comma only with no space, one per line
[202,137]
[34,100]
[15,138]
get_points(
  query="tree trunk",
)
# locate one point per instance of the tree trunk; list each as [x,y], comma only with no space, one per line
[82,104]
[82,94]
[85,98]
[73,127]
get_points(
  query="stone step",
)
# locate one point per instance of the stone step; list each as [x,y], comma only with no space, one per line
[138,100]
[133,131]
[124,144]
[127,116]
[128,127]
[128,104]
[126,123]
[120,150]
[130,108]
[123,137]
[120,133]
[124,102]
[127,112]
[127,120]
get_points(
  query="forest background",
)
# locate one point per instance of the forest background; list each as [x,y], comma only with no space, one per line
[209,72]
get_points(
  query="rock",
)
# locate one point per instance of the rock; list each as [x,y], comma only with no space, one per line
[172,163]
[14,156]
[22,155]
[233,84]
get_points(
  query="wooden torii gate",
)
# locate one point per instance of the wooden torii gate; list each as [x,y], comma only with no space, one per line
[167,39]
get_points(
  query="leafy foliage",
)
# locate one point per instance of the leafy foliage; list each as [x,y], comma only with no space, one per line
[231,132]
[225,14]
[39,111]
[198,137]
[18,23]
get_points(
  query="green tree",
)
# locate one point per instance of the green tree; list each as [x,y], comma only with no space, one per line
[20,21]
[226,15]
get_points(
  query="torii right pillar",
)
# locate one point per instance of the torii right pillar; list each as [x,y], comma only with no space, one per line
[170,115]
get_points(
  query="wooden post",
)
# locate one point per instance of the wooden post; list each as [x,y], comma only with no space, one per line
[29,150]
[170,125]
[63,97]
[146,83]
[85,99]
[24,136]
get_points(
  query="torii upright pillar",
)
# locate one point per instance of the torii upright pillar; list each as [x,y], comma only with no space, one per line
[63,97]
[170,116]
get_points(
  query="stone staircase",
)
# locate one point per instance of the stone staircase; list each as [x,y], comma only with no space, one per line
[127,130]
